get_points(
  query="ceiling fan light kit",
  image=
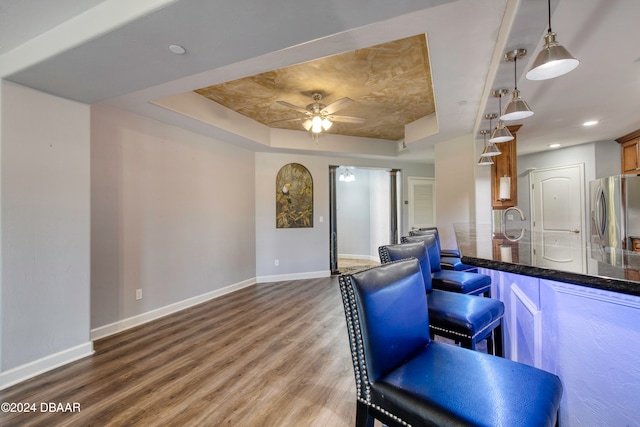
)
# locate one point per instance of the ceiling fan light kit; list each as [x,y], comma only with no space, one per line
[320,117]
[553,60]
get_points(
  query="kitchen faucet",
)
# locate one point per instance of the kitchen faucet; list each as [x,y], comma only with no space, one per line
[504,221]
[515,208]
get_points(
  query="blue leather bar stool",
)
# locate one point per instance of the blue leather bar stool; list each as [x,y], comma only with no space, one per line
[462,282]
[466,319]
[404,378]
[449,258]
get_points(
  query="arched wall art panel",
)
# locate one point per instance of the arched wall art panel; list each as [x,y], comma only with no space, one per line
[294,197]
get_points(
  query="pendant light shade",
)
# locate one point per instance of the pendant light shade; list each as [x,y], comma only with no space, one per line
[485,161]
[517,108]
[500,133]
[553,60]
[490,149]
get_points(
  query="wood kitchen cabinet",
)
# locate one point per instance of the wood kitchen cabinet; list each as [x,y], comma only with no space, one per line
[629,150]
[505,165]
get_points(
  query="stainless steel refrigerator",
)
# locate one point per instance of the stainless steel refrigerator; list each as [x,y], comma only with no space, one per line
[615,216]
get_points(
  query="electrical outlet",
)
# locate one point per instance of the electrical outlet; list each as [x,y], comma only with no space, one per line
[276,262]
[321,219]
[510,217]
[138,293]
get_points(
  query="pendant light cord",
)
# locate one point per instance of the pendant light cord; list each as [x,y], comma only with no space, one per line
[515,66]
[490,129]
[549,9]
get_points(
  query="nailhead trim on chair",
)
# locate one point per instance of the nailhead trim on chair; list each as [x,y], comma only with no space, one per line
[357,349]
[448,331]
[480,332]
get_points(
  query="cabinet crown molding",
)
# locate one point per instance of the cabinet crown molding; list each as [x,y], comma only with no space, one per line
[628,137]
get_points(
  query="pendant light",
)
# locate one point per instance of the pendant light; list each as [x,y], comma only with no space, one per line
[500,133]
[490,148]
[517,108]
[553,60]
[485,160]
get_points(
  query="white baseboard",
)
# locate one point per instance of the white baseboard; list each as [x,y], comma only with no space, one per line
[40,366]
[293,276]
[121,325]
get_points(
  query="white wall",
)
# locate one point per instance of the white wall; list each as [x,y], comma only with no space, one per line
[353,212]
[483,189]
[455,186]
[45,208]
[363,212]
[380,207]
[172,214]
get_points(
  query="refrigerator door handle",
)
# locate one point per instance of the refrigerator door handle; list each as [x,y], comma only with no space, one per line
[601,213]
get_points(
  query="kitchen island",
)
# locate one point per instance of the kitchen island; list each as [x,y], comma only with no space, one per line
[580,321]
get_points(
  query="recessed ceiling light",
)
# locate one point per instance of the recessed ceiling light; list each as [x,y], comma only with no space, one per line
[554,145]
[590,123]
[176,48]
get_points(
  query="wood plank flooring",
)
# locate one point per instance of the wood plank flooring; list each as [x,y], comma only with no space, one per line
[272,354]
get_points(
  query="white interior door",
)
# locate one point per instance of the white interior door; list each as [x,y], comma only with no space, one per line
[422,202]
[557,205]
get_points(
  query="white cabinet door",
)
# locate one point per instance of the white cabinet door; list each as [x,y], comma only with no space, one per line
[422,202]
[557,200]
[522,322]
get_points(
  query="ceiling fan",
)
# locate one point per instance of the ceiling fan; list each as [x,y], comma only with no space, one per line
[318,116]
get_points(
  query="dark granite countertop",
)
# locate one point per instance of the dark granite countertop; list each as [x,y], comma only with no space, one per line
[552,256]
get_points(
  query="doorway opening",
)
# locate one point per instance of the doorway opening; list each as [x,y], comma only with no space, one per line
[363,213]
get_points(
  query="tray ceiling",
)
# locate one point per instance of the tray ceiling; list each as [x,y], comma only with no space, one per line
[390,84]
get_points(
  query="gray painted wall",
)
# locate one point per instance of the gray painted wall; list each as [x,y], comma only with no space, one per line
[98,202]
[172,214]
[608,160]
[45,225]
[306,250]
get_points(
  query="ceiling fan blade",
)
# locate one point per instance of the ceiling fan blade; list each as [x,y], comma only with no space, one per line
[293,107]
[346,119]
[338,105]
[278,122]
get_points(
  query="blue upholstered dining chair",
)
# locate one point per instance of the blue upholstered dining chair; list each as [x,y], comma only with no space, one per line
[463,282]
[449,258]
[466,319]
[404,378]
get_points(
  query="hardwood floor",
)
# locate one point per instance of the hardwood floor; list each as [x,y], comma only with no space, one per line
[349,265]
[272,354]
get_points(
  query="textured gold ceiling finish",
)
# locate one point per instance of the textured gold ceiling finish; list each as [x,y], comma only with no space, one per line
[390,84]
